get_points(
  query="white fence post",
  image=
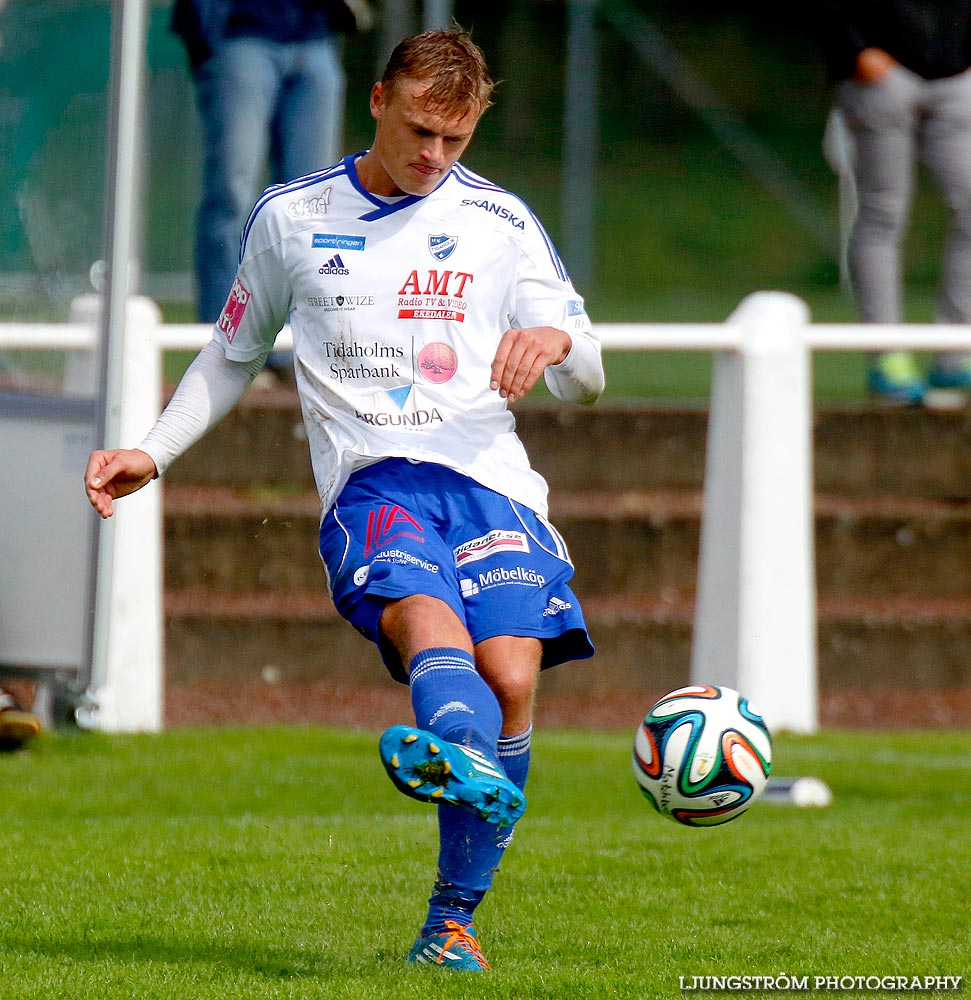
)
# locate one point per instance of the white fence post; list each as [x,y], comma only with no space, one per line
[126,689]
[755,617]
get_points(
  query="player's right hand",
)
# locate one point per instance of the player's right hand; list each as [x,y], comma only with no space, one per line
[114,474]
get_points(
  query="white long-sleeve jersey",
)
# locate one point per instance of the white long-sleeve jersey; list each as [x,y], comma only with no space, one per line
[397,307]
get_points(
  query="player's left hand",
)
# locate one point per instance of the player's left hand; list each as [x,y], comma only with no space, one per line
[523,356]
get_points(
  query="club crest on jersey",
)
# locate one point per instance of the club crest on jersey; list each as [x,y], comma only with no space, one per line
[232,314]
[442,245]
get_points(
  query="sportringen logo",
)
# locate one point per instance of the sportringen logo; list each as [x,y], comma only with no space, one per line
[337,241]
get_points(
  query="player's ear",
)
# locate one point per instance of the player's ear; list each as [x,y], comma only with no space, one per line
[378,99]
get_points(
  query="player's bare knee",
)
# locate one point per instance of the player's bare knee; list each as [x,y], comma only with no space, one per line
[515,691]
[418,622]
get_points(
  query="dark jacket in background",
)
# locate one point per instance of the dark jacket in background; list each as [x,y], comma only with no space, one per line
[932,38]
[202,23]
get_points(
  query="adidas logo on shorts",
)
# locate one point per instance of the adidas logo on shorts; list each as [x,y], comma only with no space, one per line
[555,607]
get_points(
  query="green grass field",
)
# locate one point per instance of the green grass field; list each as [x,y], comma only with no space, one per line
[278,862]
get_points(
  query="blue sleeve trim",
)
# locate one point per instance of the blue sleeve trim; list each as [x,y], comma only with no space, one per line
[275,190]
[474,181]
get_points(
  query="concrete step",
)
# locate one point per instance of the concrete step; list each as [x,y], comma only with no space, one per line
[643,644]
[252,636]
[609,447]
[379,702]
[264,541]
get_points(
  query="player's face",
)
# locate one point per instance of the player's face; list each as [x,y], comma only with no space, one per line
[413,148]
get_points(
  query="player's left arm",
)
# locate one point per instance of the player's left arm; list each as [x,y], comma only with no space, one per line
[550,333]
[522,357]
[571,365]
[579,377]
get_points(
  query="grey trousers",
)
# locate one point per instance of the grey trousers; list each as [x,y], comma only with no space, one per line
[893,125]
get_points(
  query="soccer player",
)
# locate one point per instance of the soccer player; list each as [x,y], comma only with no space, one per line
[423,301]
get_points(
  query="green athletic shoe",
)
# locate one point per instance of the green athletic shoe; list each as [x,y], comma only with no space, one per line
[893,377]
[454,948]
[433,770]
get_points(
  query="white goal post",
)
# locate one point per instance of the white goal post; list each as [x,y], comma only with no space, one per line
[755,617]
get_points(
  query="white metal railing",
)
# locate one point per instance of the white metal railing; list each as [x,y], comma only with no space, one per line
[614,336]
[755,618]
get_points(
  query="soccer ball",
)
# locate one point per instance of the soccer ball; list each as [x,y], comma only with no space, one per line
[702,755]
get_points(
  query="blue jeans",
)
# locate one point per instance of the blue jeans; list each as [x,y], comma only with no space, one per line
[258,100]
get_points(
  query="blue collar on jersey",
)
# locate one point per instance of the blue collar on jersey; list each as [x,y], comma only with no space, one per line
[384,208]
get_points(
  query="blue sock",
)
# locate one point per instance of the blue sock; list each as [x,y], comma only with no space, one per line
[452,701]
[514,757]
[471,849]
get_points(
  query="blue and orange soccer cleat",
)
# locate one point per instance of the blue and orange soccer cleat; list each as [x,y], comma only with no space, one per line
[454,948]
[433,770]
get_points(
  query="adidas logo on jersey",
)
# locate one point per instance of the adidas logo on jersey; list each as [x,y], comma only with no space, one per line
[334,266]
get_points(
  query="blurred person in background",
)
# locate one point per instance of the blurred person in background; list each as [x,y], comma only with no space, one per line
[903,96]
[270,87]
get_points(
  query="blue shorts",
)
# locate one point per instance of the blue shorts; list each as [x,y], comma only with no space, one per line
[401,528]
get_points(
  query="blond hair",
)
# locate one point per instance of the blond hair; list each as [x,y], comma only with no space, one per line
[453,66]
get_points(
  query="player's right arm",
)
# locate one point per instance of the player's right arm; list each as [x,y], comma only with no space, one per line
[113,474]
[210,388]
[215,381]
